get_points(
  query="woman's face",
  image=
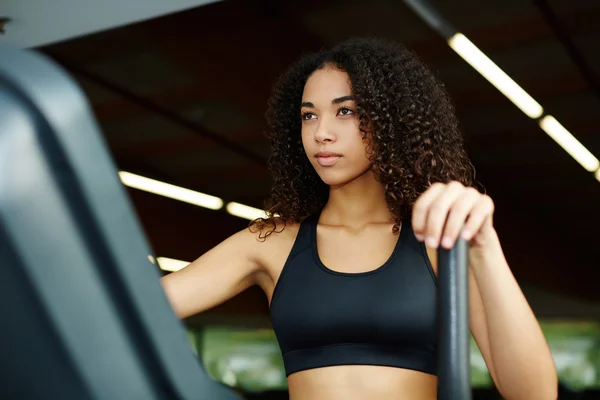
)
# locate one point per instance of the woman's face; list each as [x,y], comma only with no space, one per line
[330,135]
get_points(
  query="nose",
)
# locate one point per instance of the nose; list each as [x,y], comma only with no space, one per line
[324,133]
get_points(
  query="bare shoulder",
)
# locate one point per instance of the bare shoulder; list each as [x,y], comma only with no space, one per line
[276,227]
[254,255]
[272,234]
[273,242]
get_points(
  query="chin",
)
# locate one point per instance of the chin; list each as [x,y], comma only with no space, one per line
[335,178]
[342,176]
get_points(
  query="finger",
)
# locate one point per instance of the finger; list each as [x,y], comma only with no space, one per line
[438,213]
[420,209]
[482,210]
[457,216]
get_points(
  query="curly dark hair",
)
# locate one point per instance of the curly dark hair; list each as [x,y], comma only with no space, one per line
[406,113]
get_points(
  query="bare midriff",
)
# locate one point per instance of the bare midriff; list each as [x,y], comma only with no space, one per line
[354,382]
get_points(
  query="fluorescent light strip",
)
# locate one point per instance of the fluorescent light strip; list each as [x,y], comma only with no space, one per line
[490,71]
[171,264]
[568,142]
[244,211]
[486,67]
[171,191]
[189,196]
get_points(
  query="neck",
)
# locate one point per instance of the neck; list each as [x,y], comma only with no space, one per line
[357,203]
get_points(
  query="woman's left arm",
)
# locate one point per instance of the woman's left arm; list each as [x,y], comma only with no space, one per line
[503,325]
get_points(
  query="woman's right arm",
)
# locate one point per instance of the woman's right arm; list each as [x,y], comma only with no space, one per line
[220,274]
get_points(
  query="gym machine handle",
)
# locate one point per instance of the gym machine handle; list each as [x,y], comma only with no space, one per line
[454,378]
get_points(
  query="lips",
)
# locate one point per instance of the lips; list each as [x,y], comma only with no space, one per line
[327,158]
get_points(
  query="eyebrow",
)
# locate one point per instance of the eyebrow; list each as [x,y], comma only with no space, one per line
[334,101]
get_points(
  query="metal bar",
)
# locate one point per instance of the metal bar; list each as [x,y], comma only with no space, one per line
[454,374]
[432,17]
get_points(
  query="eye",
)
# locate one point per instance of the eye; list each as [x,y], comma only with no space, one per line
[345,111]
[307,116]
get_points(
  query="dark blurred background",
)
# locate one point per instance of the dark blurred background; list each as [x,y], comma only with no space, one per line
[180,89]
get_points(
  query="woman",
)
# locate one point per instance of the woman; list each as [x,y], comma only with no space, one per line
[370,177]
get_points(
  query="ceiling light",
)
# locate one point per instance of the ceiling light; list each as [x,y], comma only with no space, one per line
[171,191]
[171,264]
[243,211]
[568,142]
[486,67]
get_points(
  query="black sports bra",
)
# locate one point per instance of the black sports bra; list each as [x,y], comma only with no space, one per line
[385,317]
